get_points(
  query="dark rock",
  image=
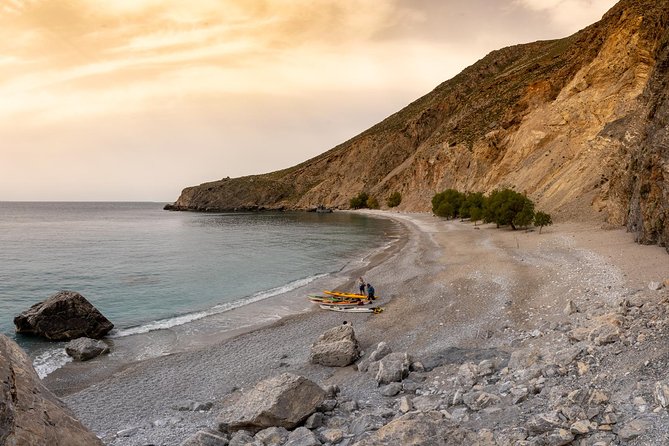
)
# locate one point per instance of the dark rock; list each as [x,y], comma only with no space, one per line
[83,349]
[283,401]
[29,413]
[302,437]
[272,436]
[64,316]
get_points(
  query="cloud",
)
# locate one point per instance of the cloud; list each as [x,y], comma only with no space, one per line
[567,12]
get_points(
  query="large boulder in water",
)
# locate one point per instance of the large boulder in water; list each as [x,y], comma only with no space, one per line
[337,347]
[29,413]
[64,316]
[283,401]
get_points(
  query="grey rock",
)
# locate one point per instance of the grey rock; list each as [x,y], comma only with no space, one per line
[193,406]
[633,429]
[545,422]
[382,350]
[662,393]
[414,428]
[64,316]
[29,413]
[391,389]
[349,406]
[467,375]
[327,406]
[427,403]
[272,436]
[243,438]
[266,404]
[393,368]
[655,286]
[314,421]
[337,347]
[366,423]
[406,404]
[332,436]
[83,349]
[206,438]
[417,366]
[480,400]
[571,308]
[302,437]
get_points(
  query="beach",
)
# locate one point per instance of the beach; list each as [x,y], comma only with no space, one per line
[452,292]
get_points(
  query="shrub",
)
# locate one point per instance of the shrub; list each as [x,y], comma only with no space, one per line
[394,200]
[359,201]
[372,203]
[508,207]
[472,206]
[542,219]
[447,203]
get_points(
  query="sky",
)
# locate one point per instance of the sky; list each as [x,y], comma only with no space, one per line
[133,100]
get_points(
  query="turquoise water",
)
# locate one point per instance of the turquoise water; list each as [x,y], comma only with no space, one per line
[145,268]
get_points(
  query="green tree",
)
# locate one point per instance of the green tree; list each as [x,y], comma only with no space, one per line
[447,203]
[542,219]
[508,207]
[394,200]
[472,205]
[372,203]
[359,201]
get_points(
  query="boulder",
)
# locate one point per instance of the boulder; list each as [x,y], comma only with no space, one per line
[302,437]
[64,316]
[283,401]
[29,412]
[393,368]
[83,349]
[337,347]
[411,429]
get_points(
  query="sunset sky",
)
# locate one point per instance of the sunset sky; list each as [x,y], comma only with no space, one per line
[136,99]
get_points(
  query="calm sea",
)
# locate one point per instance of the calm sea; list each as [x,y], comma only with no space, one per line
[147,269]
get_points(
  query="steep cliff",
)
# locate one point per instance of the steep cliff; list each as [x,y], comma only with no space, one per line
[579,124]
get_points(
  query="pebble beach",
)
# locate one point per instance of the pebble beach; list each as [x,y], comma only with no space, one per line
[453,293]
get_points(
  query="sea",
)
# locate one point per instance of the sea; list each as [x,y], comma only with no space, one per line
[148,270]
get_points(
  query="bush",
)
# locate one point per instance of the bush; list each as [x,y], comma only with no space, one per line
[508,207]
[472,206]
[542,219]
[372,203]
[359,201]
[394,200]
[447,203]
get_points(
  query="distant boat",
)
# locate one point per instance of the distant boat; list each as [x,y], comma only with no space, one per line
[322,209]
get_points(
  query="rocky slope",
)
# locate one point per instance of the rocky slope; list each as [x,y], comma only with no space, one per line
[579,124]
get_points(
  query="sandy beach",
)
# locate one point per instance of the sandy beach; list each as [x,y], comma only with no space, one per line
[452,292]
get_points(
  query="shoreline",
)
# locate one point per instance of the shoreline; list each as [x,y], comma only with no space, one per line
[452,293]
[212,329]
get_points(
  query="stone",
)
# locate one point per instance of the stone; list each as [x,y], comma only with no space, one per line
[193,406]
[365,423]
[283,401]
[243,438]
[486,367]
[662,393]
[427,403]
[467,375]
[655,286]
[83,349]
[393,368]
[480,400]
[314,421]
[337,347]
[64,316]
[206,438]
[382,350]
[272,436]
[29,413]
[302,437]
[633,429]
[581,427]
[545,422]
[571,308]
[406,405]
[565,357]
[391,389]
[327,406]
[412,429]
[332,436]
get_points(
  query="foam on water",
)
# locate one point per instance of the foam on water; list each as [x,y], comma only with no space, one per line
[50,361]
[186,318]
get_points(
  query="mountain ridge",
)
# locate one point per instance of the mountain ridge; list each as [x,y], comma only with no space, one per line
[567,121]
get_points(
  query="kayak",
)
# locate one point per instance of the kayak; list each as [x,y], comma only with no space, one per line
[356,309]
[317,298]
[346,295]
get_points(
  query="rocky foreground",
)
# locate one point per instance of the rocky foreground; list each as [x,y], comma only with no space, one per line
[488,337]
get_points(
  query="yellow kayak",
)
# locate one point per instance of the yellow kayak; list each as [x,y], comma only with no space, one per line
[347,295]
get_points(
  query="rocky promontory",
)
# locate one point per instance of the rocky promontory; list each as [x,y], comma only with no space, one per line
[578,124]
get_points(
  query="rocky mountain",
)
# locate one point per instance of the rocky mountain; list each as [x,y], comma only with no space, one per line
[580,124]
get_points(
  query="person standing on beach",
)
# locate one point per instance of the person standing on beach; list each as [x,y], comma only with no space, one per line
[361,285]
[370,292]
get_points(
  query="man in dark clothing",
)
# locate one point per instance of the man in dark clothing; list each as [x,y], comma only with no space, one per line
[370,292]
